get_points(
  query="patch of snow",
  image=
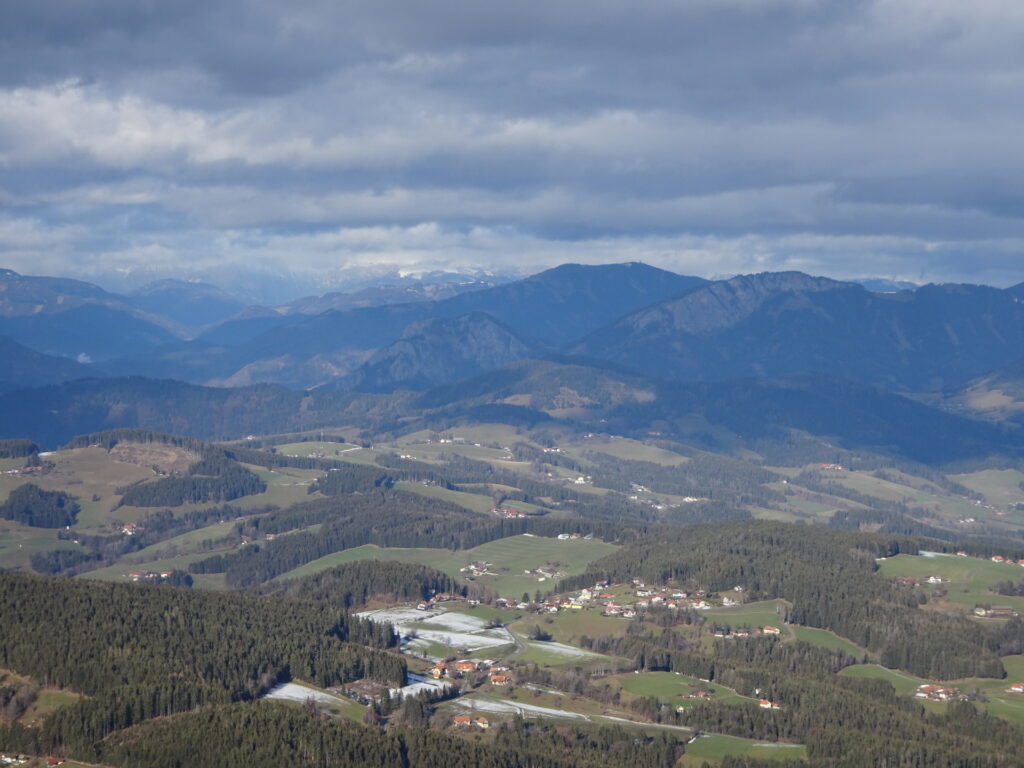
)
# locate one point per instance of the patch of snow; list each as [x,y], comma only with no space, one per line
[419,684]
[505,706]
[296,692]
[453,629]
[460,622]
[396,616]
[561,649]
[464,639]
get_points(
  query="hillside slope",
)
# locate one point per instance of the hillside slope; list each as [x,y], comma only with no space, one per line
[776,324]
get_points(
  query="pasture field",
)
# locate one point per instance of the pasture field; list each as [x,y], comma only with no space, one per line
[433,451]
[885,490]
[185,544]
[672,688]
[628,449]
[495,434]
[48,701]
[86,473]
[756,614]
[509,557]
[1000,487]
[968,579]
[569,626]
[19,542]
[354,454]
[474,502]
[830,640]
[928,496]
[297,693]
[998,702]
[329,449]
[901,681]
[554,654]
[780,515]
[119,571]
[713,748]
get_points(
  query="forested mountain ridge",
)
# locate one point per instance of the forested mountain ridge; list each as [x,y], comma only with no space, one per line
[547,310]
[777,324]
[24,367]
[813,416]
[436,351]
[192,305]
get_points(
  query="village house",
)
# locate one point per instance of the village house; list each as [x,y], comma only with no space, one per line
[1015,688]
[466,666]
[500,680]
[937,693]
[462,720]
[934,579]
[770,630]
[766,704]
[995,612]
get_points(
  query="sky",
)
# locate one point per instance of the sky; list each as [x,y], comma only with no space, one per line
[326,138]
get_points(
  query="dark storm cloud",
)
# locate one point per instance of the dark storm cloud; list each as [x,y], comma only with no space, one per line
[709,136]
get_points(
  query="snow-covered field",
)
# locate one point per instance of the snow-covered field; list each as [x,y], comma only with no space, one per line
[397,616]
[453,629]
[561,649]
[505,706]
[296,692]
[418,684]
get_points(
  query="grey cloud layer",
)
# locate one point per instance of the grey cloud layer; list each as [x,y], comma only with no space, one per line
[709,136]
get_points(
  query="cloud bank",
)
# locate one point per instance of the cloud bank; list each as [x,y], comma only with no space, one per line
[710,137]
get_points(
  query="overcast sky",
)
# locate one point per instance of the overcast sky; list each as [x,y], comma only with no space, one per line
[706,136]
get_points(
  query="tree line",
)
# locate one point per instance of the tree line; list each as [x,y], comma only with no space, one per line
[139,652]
[29,504]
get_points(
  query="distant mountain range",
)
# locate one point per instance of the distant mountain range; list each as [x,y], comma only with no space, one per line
[547,311]
[756,362]
[192,305]
[804,418]
[776,324]
[24,367]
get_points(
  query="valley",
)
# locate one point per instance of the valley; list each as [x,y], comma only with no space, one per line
[497,549]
